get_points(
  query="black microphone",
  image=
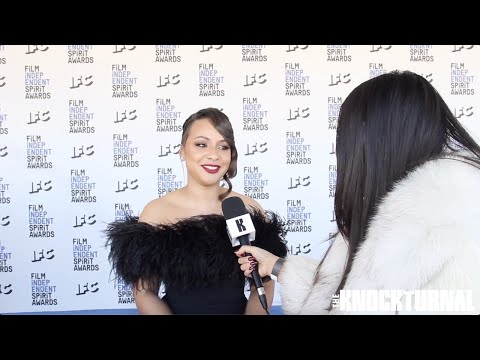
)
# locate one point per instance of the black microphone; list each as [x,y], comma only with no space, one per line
[241,231]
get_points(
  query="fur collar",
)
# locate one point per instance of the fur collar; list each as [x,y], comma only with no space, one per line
[192,252]
[425,235]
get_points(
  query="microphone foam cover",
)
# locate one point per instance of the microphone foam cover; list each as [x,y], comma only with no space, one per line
[233,207]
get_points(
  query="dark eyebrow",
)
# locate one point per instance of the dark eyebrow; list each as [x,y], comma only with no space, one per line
[206,138]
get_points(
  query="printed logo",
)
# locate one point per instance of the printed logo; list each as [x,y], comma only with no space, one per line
[80,119]
[295,182]
[168,119]
[421,53]
[298,218]
[43,255]
[254,183]
[333,105]
[339,79]
[297,249]
[166,150]
[122,211]
[457,48]
[121,48]
[5,220]
[461,80]
[375,69]
[127,185]
[167,53]
[79,151]
[5,260]
[466,111]
[291,48]
[253,53]
[259,148]
[254,117]
[82,188]
[296,80]
[84,220]
[125,115]
[123,82]
[38,116]
[81,80]
[332,180]
[167,181]
[36,84]
[124,292]
[84,258]
[32,49]
[87,288]
[6,289]
[3,120]
[4,192]
[207,48]
[39,223]
[298,113]
[297,150]
[41,186]
[43,292]
[210,80]
[3,60]
[170,79]
[38,153]
[124,153]
[79,54]
[338,53]
[376,48]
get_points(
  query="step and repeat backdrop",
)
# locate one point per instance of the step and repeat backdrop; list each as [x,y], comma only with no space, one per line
[91,133]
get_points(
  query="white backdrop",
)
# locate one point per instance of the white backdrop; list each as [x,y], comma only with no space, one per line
[90,133]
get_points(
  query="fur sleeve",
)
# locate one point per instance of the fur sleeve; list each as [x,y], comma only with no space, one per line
[132,247]
[419,228]
[195,251]
[270,232]
[301,291]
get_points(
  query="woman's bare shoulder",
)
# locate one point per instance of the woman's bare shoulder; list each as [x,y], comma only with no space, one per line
[162,210]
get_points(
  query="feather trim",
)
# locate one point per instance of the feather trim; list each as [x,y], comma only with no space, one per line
[195,251]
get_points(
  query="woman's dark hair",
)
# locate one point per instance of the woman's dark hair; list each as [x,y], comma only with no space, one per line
[388,126]
[222,124]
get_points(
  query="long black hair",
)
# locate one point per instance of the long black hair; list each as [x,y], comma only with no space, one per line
[388,126]
[222,124]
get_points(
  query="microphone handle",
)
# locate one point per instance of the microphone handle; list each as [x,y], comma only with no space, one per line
[256,276]
[259,285]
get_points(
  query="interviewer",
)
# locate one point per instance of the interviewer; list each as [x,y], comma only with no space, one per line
[407,202]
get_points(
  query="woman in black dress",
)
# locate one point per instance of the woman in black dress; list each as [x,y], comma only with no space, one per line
[181,240]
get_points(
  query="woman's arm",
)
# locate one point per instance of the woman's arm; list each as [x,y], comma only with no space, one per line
[146,299]
[299,292]
[148,302]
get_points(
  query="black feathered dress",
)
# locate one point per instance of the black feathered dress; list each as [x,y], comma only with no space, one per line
[193,258]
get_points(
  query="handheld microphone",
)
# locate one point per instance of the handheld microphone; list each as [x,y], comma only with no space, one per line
[241,231]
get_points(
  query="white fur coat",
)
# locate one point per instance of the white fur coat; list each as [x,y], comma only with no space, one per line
[426,235]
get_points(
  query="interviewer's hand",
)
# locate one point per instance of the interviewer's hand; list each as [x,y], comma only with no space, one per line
[264,259]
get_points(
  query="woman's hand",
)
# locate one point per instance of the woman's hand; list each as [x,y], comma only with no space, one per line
[265,260]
